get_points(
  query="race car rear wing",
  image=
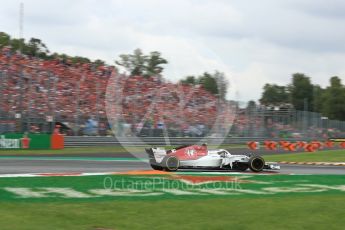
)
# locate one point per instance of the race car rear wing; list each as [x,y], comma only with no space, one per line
[156,154]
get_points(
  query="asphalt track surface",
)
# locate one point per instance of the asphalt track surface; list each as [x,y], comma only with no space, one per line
[120,162]
[15,166]
[142,154]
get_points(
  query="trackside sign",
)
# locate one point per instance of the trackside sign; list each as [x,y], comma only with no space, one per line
[23,141]
[165,187]
[6,143]
[31,141]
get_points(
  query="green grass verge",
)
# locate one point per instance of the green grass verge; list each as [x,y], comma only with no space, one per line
[303,212]
[281,210]
[91,150]
[320,156]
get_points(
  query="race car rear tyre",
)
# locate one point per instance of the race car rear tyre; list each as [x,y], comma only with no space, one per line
[170,163]
[154,165]
[256,163]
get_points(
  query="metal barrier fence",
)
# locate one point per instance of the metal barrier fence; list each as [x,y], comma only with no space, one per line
[82,141]
[284,122]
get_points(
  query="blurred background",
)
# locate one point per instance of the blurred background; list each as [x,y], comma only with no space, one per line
[216,69]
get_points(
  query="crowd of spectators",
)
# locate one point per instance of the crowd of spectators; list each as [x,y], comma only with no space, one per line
[30,84]
[74,94]
[150,106]
[33,87]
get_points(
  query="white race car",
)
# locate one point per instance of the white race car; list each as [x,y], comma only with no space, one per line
[199,157]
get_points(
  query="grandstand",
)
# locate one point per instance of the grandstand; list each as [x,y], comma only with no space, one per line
[38,93]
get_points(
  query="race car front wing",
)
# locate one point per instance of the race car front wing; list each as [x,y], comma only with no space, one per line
[272,166]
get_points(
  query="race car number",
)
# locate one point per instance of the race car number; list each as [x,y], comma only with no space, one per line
[190,152]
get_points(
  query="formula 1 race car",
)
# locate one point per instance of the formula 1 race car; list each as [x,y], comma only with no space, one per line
[199,157]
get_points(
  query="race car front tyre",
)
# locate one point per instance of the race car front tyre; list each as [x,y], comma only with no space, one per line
[256,163]
[170,163]
[154,165]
